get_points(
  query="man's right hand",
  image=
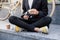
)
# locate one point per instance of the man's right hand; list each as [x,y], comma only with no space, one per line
[26,17]
[33,11]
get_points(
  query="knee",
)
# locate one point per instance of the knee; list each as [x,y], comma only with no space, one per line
[49,19]
[11,19]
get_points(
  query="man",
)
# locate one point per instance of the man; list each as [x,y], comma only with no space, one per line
[34,16]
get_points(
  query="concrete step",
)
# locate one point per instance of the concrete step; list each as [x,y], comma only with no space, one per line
[54,33]
[26,36]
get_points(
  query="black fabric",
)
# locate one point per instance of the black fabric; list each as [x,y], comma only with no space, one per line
[29,25]
[40,5]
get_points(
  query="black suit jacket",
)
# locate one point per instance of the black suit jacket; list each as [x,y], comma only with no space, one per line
[40,5]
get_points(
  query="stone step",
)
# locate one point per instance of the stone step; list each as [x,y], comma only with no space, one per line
[26,36]
[10,35]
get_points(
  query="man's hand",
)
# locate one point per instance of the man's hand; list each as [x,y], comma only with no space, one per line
[26,17]
[33,11]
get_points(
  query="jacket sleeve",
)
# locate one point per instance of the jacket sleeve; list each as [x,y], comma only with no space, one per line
[23,7]
[44,10]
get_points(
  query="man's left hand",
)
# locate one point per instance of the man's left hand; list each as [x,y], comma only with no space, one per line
[33,12]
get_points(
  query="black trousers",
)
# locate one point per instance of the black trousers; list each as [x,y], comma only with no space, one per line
[45,21]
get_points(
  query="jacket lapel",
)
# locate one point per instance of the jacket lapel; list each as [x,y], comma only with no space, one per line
[26,5]
[34,2]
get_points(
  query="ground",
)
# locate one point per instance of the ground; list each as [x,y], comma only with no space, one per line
[54,32]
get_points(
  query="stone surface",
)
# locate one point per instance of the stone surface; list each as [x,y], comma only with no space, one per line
[54,32]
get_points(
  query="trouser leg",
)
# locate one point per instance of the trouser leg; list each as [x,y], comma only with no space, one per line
[20,22]
[45,21]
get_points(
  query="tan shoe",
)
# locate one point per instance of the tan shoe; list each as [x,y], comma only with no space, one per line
[44,29]
[18,29]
